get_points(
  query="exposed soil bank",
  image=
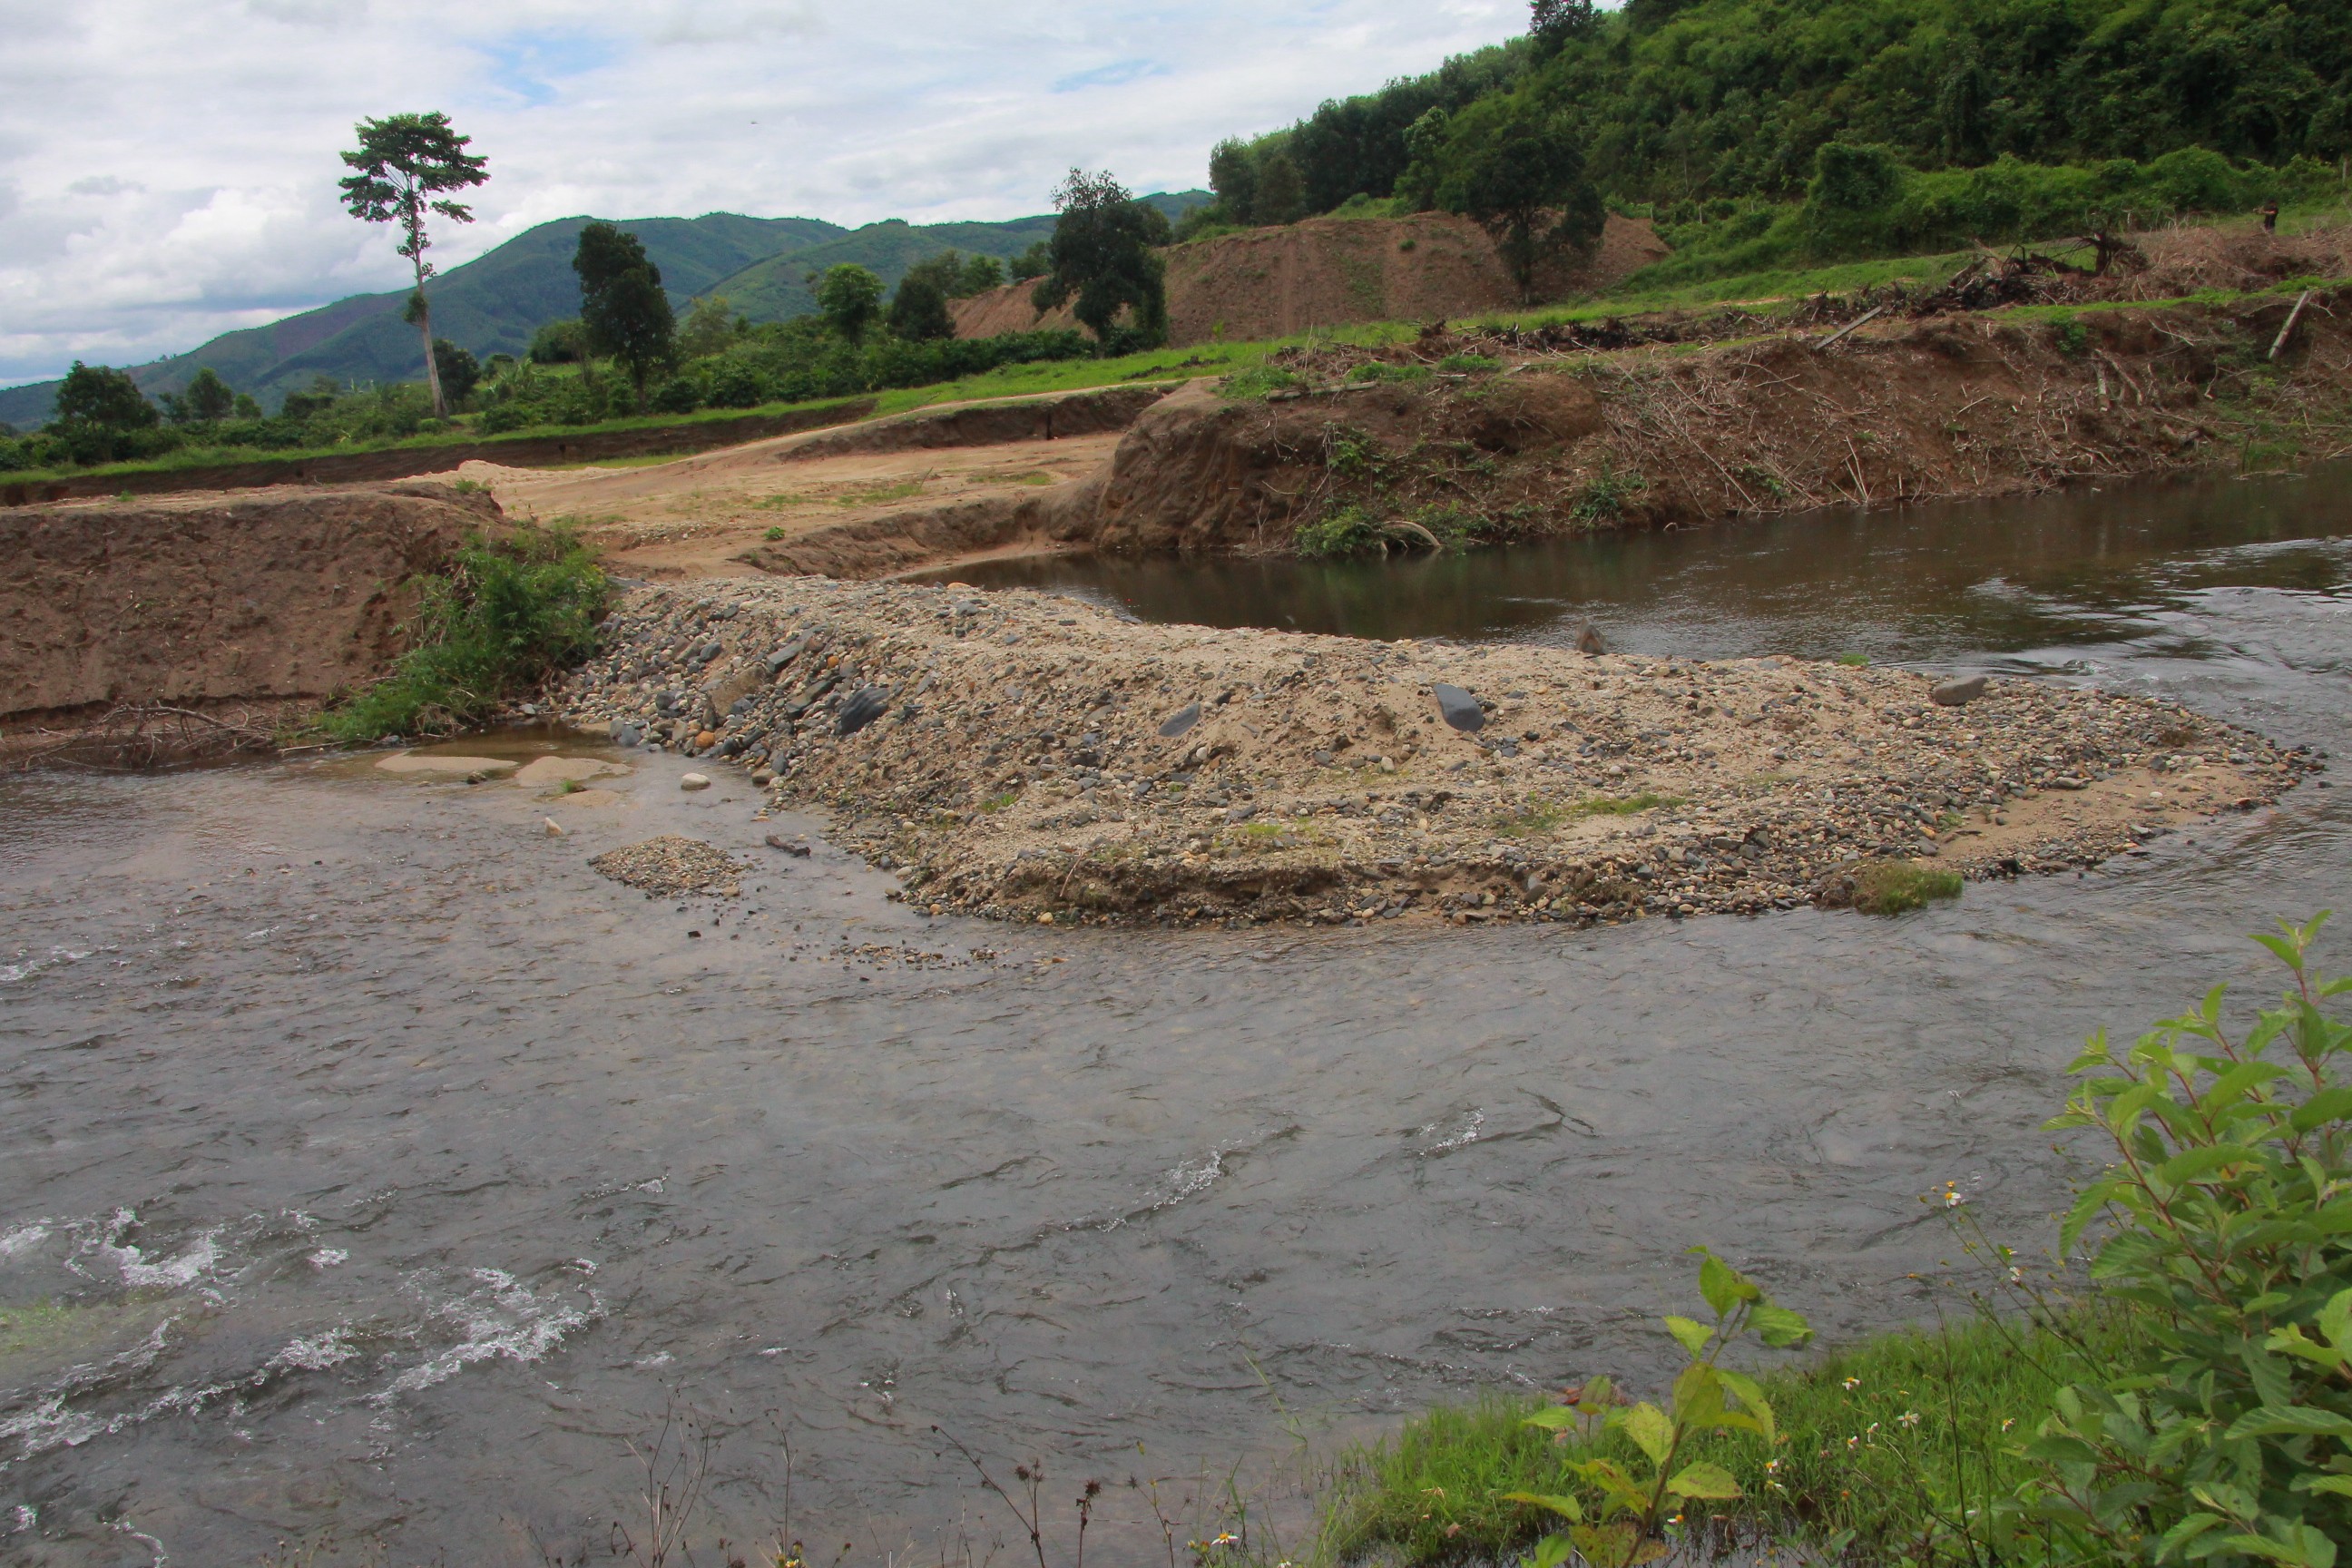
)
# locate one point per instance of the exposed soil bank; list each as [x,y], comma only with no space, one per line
[1024,756]
[1326,272]
[406,462]
[244,609]
[1943,408]
[1386,449]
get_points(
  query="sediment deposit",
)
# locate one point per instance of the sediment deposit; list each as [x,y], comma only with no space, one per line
[1030,757]
[234,610]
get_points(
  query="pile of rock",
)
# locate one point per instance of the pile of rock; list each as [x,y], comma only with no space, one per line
[1021,754]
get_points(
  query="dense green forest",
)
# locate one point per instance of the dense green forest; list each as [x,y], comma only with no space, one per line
[1712,112]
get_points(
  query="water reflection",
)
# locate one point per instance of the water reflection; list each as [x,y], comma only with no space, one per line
[1925,584]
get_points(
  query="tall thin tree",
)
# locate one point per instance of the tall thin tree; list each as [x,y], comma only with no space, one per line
[405,163]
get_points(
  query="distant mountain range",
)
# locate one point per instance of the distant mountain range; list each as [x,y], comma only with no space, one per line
[495,302]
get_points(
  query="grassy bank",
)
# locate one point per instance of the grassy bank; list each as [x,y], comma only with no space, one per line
[2189,1400]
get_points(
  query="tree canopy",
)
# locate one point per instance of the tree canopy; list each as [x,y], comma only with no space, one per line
[622,306]
[849,297]
[919,309]
[1518,170]
[102,397]
[403,169]
[1699,101]
[1102,252]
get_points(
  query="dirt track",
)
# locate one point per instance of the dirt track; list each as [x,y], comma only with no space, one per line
[823,498]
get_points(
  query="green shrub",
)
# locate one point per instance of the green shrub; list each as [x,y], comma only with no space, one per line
[1342,531]
[1604,495]
[2226,1220]
[1257,381]
[509,613]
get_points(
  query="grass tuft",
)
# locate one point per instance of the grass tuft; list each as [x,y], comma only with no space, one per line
[1893,886]
[1877,1440]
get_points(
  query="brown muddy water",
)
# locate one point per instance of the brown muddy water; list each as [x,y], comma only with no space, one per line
[374,1167]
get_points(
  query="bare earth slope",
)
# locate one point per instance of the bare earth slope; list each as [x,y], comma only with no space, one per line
[264,598]
[1325,272]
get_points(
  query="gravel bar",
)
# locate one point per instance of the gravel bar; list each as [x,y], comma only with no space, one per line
[1029,756]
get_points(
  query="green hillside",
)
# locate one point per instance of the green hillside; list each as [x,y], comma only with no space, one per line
[490,305]
[1694,105]
[493,304]
[776,289]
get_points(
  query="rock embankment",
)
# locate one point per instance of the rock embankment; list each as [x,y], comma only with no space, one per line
[1026,757]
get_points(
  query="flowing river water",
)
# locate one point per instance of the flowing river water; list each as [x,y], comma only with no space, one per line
[373,1167]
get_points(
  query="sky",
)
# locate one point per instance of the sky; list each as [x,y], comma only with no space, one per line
[168,167]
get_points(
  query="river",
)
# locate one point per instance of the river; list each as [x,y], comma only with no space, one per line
[375,1168]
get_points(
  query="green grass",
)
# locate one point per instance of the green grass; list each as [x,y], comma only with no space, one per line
[1877,1440]
[881,494]
[1893,886]
[1538,817]
[508,614]
[458,433]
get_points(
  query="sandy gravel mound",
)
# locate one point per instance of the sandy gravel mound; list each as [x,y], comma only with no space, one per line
[671,864]
[1025,755]
[257,597]
[1276,282]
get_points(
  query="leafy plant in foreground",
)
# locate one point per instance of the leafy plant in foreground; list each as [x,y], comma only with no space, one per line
[1623,1523]
[2227,1216]
[509,613]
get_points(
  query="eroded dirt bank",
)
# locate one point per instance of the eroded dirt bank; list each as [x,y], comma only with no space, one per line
[1482,437]
[243,609]
[1024,756]
[1393,449]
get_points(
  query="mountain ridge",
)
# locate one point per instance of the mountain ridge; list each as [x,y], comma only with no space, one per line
[493,304]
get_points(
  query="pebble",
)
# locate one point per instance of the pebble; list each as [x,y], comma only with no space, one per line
[691,782]
[1459,707]
[1957,693]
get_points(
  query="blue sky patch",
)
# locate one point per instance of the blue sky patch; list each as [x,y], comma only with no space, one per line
[1118,73]
[531,65]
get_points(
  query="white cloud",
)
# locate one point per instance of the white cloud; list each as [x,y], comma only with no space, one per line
[167,167]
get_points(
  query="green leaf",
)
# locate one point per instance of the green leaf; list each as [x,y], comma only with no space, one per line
[2307,1549]
[1567,1508]
[1692,1335]
[2288,1420]
[2186,1530]
[1551,1552]
[1752,1396]
[1554,1418]
[2328,1105]
[2188,1167]
[1782,1327]
[1652,1432]
[1706,1480]
[1719,1283]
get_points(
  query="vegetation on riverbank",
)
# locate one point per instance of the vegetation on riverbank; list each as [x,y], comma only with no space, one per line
[510,613]
[2186,1398]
